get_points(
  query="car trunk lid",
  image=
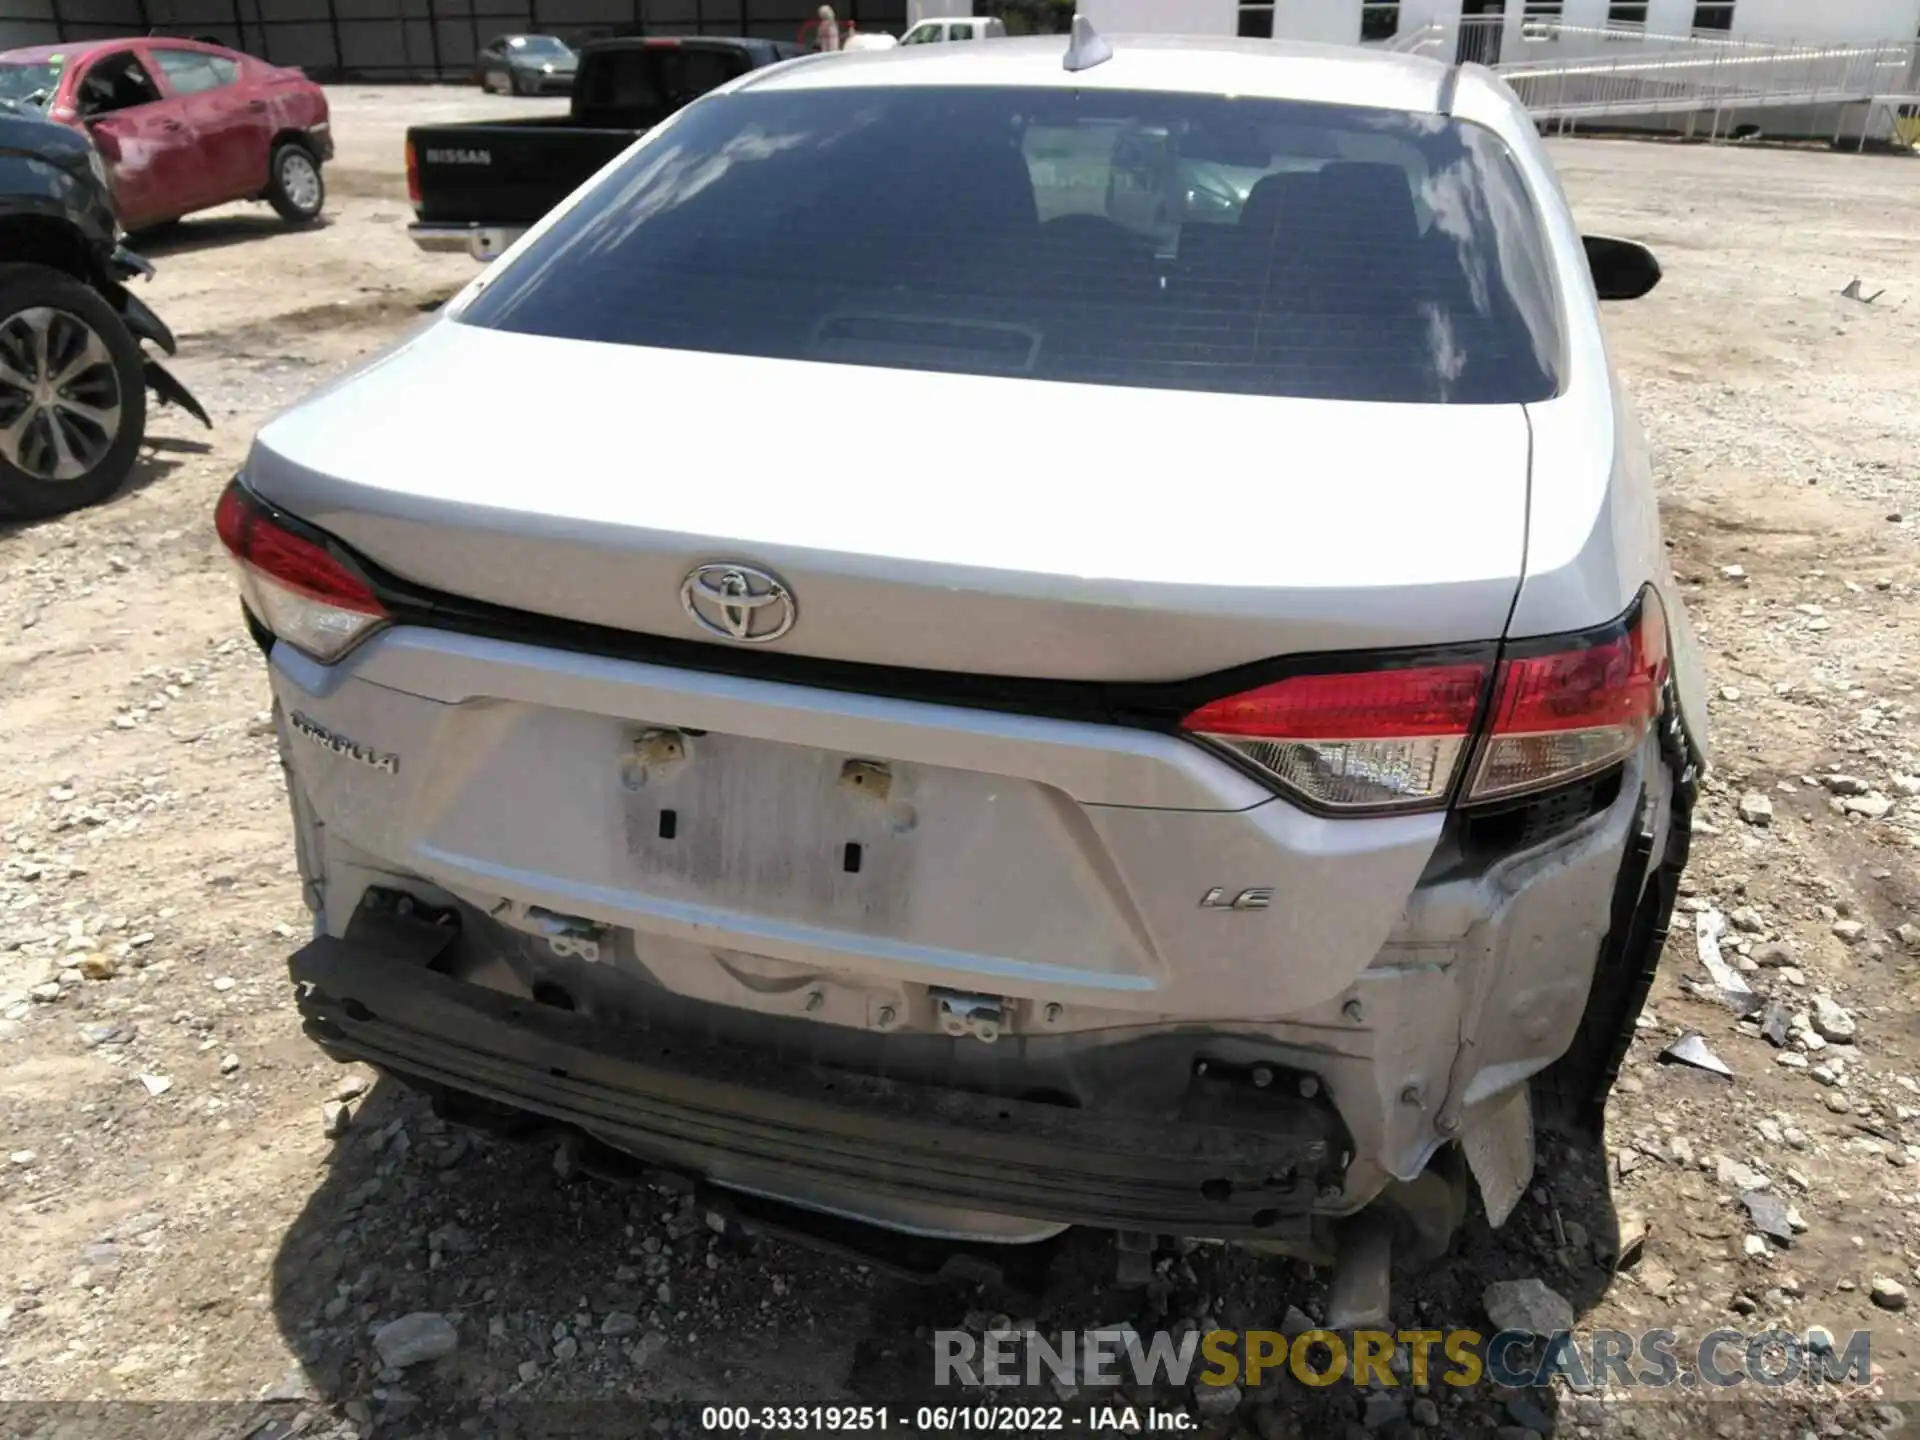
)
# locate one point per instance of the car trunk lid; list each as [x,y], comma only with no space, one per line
[962,523]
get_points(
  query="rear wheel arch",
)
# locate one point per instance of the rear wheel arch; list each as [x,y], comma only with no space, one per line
[294,135]
[291,135]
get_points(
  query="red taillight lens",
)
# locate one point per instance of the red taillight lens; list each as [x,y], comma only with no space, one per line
[1397,737]
[1568,713]
[291,584]
[413,175]
[1370,739]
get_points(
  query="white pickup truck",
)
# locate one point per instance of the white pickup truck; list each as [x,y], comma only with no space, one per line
[954,27]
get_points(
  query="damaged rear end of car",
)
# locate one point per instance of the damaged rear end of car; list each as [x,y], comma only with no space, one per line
[1209,797]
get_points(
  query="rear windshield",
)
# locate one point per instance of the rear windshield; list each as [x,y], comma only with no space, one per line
[1106,237]
[645,84]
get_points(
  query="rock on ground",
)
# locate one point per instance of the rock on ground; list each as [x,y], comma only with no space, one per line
[424,1335]
[1831,1021]
[1527,1305]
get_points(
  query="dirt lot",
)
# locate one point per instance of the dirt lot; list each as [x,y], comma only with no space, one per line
[178,1227]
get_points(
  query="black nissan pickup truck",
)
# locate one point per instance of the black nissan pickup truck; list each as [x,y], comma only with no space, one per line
[477,187]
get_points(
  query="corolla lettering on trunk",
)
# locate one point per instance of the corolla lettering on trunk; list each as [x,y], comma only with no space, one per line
[340,745]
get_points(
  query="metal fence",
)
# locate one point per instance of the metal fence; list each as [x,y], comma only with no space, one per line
[1701,73]
[411,39]
[1572,73]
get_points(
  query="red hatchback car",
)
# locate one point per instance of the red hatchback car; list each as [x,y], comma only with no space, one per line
[182,125]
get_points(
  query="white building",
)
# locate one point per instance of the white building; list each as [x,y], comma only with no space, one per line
[1350,21]
[1844,69]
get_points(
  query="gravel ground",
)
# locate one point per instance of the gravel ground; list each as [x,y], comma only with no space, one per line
[184,1224]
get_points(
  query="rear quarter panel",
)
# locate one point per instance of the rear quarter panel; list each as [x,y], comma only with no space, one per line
[298,103]
[1593,519]
[37,187]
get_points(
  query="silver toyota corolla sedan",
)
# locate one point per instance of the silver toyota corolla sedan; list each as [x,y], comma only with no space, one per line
[901,656]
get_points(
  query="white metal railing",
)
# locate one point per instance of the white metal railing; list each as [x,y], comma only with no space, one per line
[1580,72]
[1694,74]
[1426,40]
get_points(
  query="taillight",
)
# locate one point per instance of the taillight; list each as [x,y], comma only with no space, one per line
[413,174]
[1565,713]
[1400,736]
[1362,740]
[293,586]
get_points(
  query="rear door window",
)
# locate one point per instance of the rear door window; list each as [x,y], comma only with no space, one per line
[188,71]
[645,84]
[1175,241]
[691,73]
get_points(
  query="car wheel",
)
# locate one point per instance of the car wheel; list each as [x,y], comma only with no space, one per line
[514,85]
[294,186]
[73,394]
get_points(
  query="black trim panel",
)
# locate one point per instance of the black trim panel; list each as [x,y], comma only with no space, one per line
[1155,705]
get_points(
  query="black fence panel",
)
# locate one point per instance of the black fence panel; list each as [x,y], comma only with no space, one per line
[412,39]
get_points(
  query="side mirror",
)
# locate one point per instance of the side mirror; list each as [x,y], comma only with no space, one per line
[1622,269]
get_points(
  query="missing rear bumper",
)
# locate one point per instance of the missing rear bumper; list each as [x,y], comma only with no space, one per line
[792,1128]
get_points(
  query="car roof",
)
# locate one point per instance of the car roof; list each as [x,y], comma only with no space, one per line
[32,54]
[1264,69]
[39,54]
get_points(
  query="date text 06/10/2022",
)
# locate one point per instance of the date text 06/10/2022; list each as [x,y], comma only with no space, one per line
[942,1419]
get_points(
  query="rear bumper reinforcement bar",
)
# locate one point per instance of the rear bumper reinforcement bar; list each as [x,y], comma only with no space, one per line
[730,1113]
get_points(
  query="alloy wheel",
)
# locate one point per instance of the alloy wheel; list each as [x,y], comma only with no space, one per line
[59,394]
